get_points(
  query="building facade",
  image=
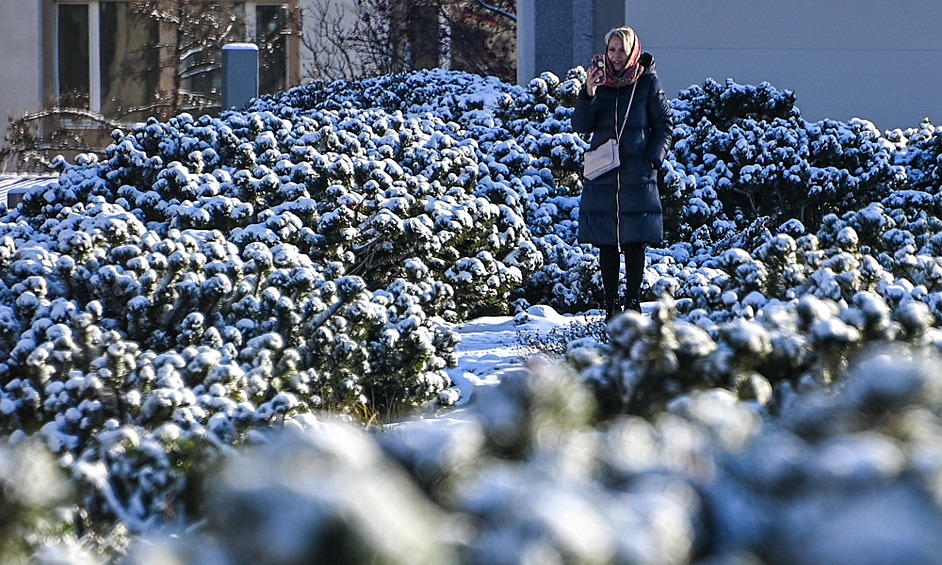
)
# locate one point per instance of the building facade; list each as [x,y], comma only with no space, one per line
[127,60]
[843,59]
[21,82]
[115,62]
[869,59]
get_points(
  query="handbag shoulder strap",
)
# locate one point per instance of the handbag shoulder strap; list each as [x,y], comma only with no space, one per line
[627,111]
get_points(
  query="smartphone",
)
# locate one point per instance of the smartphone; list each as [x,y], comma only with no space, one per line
[598,61]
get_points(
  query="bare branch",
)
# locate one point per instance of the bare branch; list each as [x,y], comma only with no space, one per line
[498,10]
[392,36]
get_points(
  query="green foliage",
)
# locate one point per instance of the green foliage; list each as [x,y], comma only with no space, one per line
[742,153]
[32,489]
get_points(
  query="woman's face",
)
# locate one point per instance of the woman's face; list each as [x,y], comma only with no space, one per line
[617,54]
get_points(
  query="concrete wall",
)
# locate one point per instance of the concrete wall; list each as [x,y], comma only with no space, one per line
[20,59]
[871,59]
[557,35]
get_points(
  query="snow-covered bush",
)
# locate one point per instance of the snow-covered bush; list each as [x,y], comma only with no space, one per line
[650,360]
[35,525]
[216,274]
[743,153]
[918,150]
[526,474]
[212,276]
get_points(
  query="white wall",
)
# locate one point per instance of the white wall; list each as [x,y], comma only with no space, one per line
[20,60]
[872,59]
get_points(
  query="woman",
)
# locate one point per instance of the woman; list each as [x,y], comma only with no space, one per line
[620,211]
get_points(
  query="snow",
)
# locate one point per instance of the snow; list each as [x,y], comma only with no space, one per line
[491,346]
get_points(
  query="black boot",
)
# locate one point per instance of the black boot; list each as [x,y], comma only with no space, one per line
[634,304]
[612,309]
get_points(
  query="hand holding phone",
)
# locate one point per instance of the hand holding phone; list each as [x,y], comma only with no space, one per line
[596,74]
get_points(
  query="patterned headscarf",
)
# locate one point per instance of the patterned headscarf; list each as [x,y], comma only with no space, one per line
[633,67]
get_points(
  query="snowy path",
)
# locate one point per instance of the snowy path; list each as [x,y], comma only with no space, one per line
[490,346]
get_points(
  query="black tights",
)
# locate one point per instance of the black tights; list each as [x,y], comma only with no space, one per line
[634,269]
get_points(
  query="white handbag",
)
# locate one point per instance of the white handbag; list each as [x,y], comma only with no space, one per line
[605,157]
[601,160]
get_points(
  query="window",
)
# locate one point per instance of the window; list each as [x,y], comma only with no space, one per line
[123,59]
[268,26]
[271,25]
[73,86]
[129,63]
[202,49]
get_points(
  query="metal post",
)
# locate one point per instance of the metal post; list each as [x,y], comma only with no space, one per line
[239,74]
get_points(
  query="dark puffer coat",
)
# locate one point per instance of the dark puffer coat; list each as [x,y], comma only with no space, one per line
[629,193]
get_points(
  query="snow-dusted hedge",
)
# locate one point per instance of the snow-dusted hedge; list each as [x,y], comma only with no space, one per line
[743,153]
[526,472]
[212,276]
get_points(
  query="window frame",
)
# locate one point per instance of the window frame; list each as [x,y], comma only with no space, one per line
[94,52]
[50,46]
